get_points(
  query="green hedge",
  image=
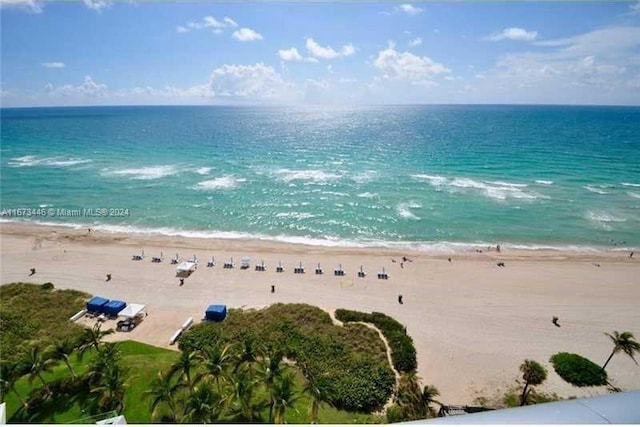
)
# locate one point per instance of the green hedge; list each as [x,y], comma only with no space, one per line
[578,370]
[403,352]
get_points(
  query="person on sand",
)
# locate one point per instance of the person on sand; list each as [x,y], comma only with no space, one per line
[273,289]
[108,277]
[33,271]
[400,299]
[555,321]
[631,255]
[497,248]
[449,259]
[402,265]
[181,282]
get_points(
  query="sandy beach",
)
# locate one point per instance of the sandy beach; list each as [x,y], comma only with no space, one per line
[473,323]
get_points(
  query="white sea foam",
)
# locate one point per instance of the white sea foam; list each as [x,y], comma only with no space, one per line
[144,173]
[497,190]
[543,182]
[603,219]
[404,209]
[598,189]
[630,184]
[368,195]
[364,177]
[434,180]
[295,215]
[203,171]
[26,161]
[634,195]
[221,183]
[327,241]
[311,175]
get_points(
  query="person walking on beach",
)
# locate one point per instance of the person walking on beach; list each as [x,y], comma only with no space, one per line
[554,320]
[108,277]
[273,289]
[33,271]
[181,282]
[400,299]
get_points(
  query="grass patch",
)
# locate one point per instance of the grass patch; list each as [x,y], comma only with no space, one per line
[33,314]
[403,353]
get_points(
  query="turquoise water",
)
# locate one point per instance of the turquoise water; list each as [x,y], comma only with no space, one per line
[429,177]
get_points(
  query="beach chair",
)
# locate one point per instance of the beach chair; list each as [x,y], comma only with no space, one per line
[211,263]
[383,274]
[361,273]
[319,269]
[175,260]
[157,259]
[245,263]
[194,259]
[228,264]
[137,257]
[338,271]
[299,269]
[279,268]
[261,266]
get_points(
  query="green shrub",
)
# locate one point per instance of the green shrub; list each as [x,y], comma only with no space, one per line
[578,370]
[348,364]
[48,286]
[403,353]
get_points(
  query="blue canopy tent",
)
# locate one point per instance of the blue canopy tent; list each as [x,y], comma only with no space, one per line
[112,308]
[216,312]
[96,304]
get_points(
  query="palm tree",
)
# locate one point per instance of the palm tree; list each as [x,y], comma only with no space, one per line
[61,350]
[270,372]
[624,342]
[533,373]
[248,354]
[427,397]
[112,387]
[202,406]
[241,397]
[318,397]
[283,397]
[163,390]
[185,364]
[216,362]
[10,373]
[92,338]
[38,362]
[108,354]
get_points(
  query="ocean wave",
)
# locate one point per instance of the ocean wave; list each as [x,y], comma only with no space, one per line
[603,219]
[497,190]
[543,182]
[633,195]
[367,195]
[203,171]
[27,161]
[630,184]
[313,175]
[296,215]
[404,210]
[364,177]
[326,241]
[144,173]
[221,183]
[598,189]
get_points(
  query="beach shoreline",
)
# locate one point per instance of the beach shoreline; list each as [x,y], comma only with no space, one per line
[472,321]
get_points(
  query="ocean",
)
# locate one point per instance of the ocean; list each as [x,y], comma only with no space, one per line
[443,178]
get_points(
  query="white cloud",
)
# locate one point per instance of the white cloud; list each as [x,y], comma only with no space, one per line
[32,6]
[635,8]
[410,10]
[230,22]
[415,42]
[246,35]
[514,33]
[255,82]
[88,89]
[328,52]
[97,5]
[330,69]
[53,64]
[207,22]
[407,66]
[290,54]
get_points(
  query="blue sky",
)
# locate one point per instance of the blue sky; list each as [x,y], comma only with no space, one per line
[95,52]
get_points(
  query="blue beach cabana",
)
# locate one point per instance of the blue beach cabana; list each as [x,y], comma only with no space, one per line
[96,304]
[216,312]
[112,308]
